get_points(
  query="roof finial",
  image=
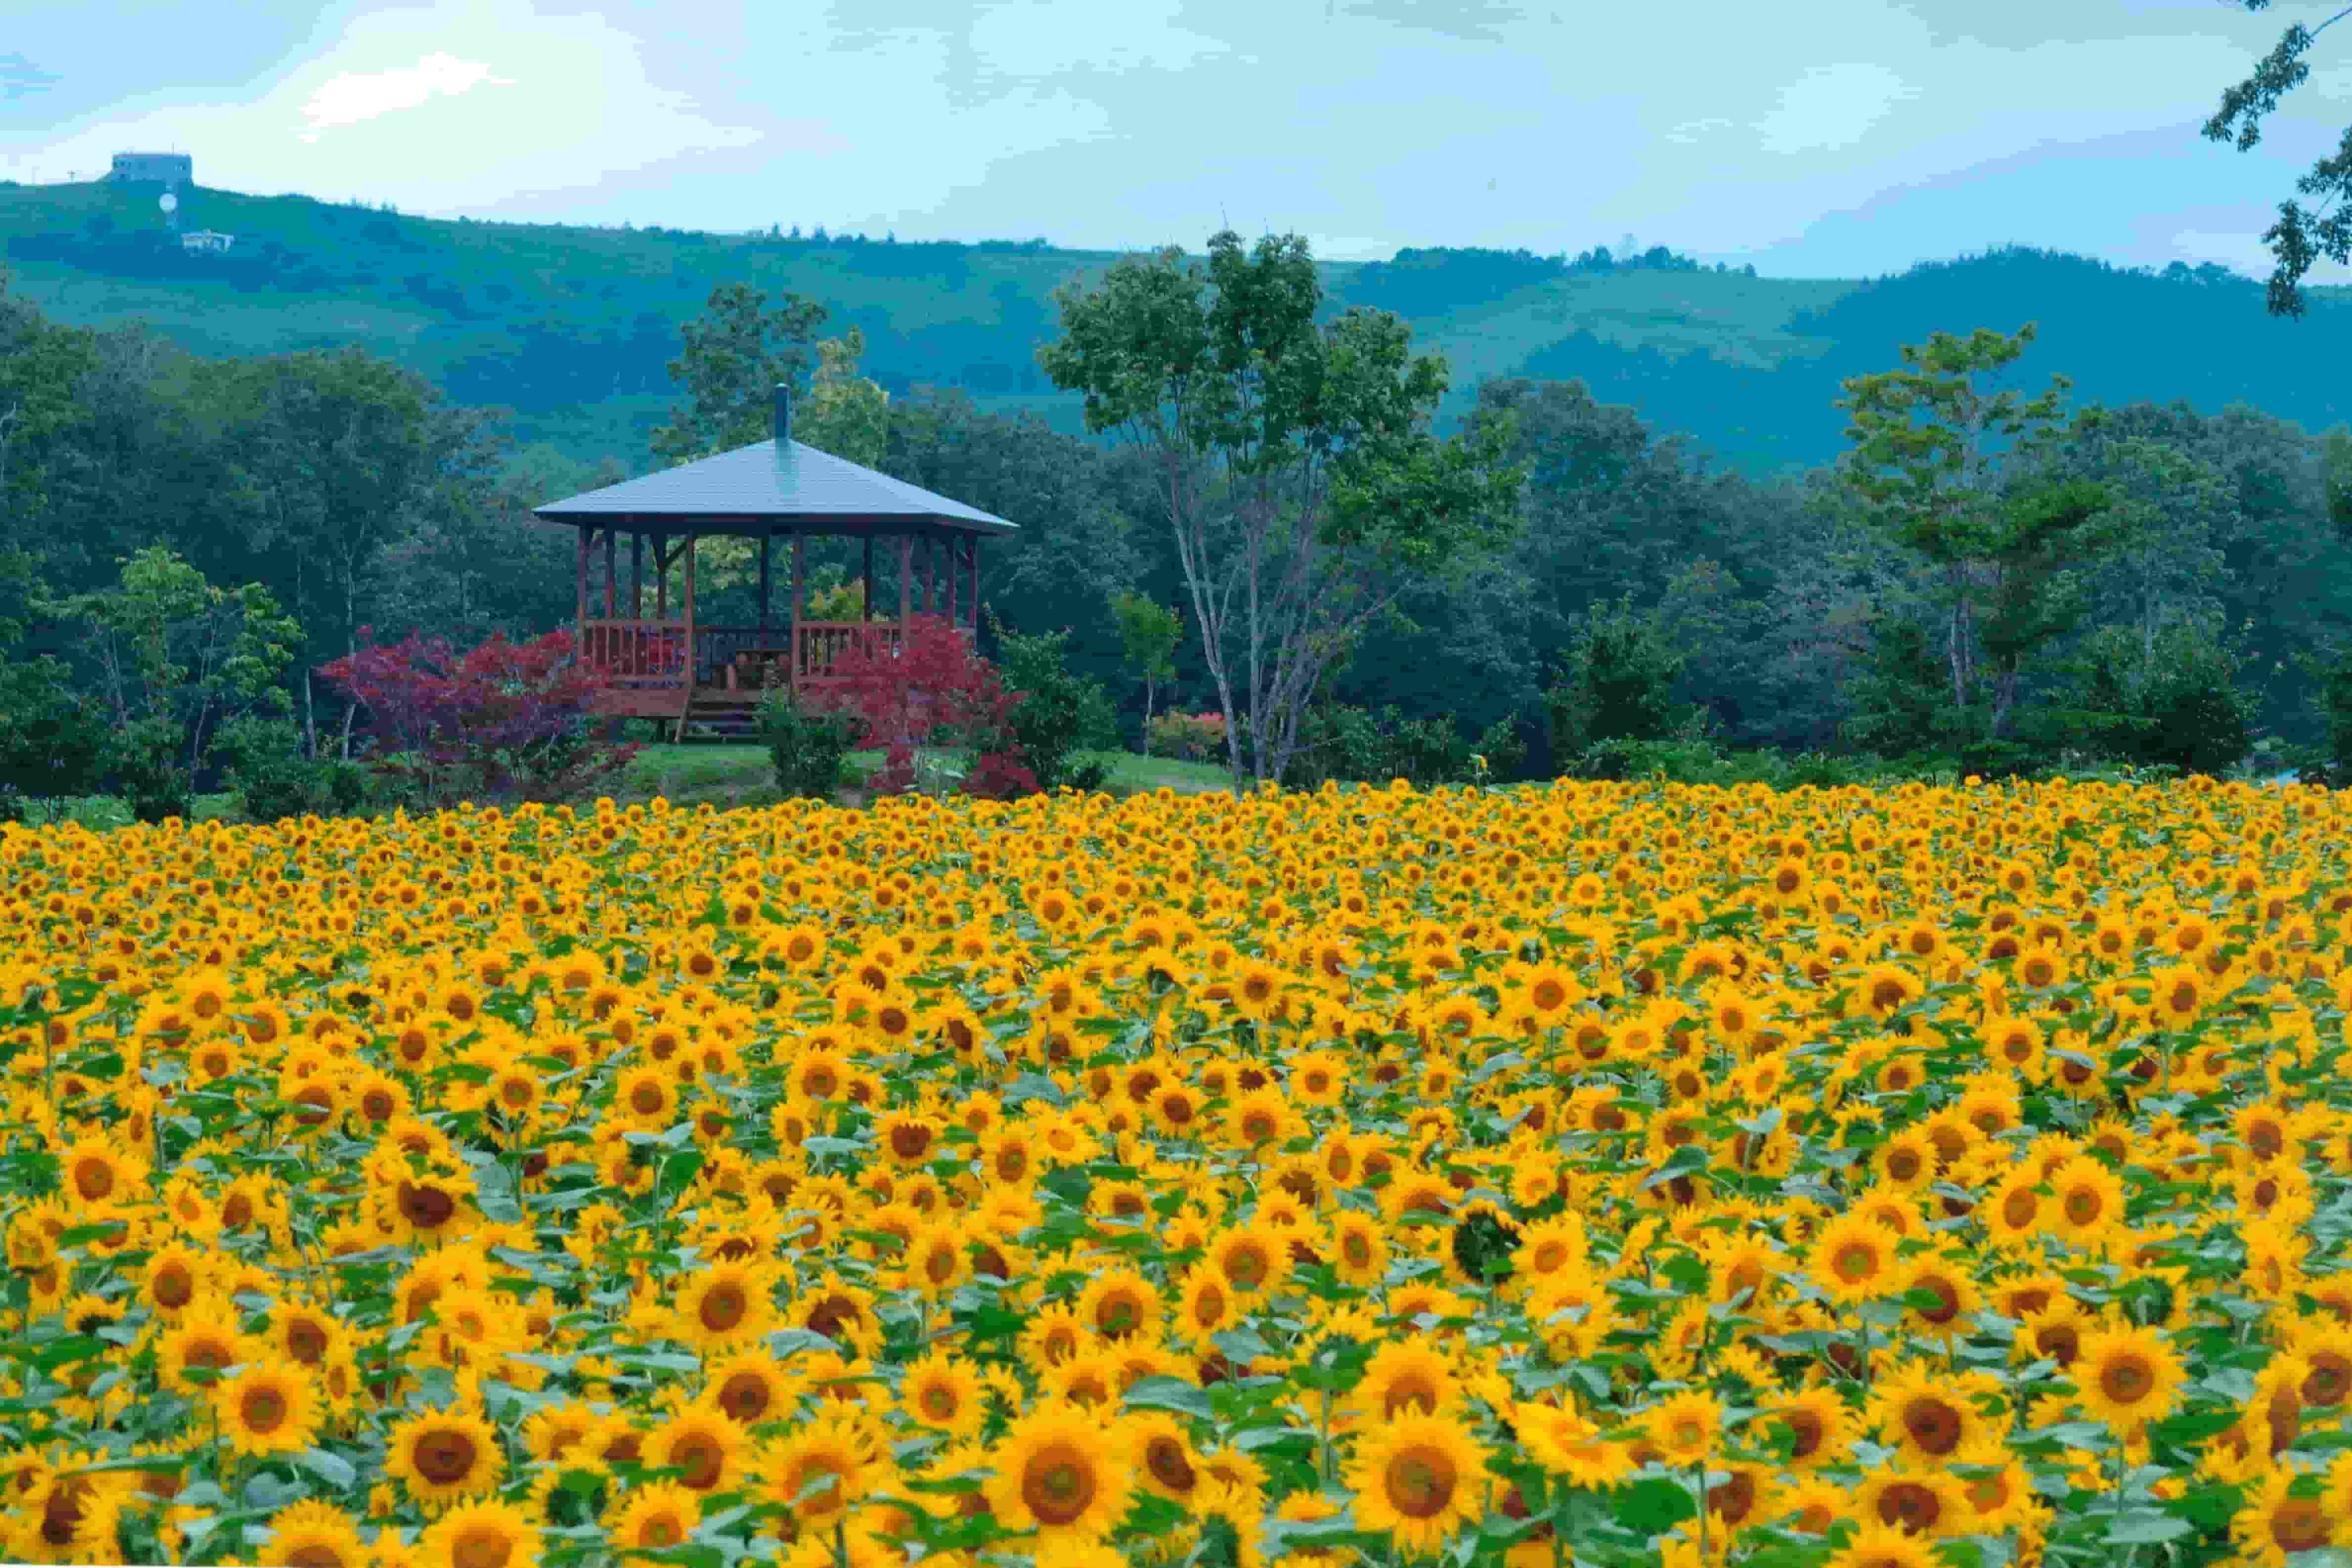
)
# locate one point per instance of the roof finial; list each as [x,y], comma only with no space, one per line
[783,425]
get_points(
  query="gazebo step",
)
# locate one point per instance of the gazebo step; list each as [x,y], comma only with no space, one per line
[730,715]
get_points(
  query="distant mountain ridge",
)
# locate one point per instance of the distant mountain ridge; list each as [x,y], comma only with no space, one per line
[572,327]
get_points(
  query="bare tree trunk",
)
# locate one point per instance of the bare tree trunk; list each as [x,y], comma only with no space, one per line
[1953,656]
[1208,604]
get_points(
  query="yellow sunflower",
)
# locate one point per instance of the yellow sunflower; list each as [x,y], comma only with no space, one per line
[482,1534]
[1056,1473]
[313,1534]
[444,1455]
[2128,1376]
[1417,1477]
[267,1407]
[945,1393]
[1570,1445]
[1853,1260]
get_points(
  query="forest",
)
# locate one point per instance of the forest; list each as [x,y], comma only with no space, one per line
[1780,611]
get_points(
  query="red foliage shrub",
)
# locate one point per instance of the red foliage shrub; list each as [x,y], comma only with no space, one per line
[505,720]
[931,689]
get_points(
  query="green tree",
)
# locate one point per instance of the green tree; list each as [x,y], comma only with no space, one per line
[471,561]
[1897,697]
[2299,237]
[1934,487]
[338,456]
[737,353]
[1148,632]
[2044,536]
[52,740]
[1619,684]
[175,655]
[2177,702]
[1056,714]
[1297,469]
[40,366]
[845,413]
[2336,459]
[2173,509]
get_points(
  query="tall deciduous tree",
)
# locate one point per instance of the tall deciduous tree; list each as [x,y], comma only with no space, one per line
[1298,474]
[1931,449]
[340,453]
[2299,238]
[846,413]
[1148,632]
[737,352]
[2175,507]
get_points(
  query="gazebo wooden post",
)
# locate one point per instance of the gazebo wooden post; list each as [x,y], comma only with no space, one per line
[906,584]
[975,584]
[583,622]
[687,704]
[764,541]
[799,600]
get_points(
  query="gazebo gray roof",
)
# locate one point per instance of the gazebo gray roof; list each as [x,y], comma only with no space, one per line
[768,487]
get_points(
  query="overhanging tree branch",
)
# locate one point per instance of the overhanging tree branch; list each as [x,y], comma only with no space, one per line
[2299,238]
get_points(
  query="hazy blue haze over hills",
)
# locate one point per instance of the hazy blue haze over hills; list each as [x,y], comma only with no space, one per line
[572,327]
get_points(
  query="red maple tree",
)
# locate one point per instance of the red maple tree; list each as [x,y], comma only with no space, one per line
[930,688]
[502,721]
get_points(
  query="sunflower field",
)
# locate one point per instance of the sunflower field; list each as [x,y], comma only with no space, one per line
[1592,1174]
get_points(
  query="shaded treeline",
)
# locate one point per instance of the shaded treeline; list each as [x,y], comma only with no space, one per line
[360,496]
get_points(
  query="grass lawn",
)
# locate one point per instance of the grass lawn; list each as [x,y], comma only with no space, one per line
[733,775]
[725,775]
[100,812]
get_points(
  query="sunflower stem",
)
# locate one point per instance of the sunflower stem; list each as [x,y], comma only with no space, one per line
[1702,1508]
[1323,1438]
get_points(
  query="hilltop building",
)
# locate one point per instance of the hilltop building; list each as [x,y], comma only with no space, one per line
[159,168]
[207,240]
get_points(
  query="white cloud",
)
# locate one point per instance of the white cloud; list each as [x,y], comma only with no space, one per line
[1098,125]
[350,97]
[456,107]
[1830,107]
[1029,39]
[1692,130]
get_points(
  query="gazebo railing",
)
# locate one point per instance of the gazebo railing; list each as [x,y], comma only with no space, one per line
[639,652]
[649,656]
[811,646]
[818,644]
[651,653]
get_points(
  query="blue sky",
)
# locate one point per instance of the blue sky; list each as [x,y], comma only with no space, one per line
[1823,138]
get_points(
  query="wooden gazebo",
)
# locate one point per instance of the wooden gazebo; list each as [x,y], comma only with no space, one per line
[670,665]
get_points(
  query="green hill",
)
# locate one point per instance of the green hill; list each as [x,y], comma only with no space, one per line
[572,327]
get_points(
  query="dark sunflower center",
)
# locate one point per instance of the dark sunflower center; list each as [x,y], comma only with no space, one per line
[1057,1484]
[444,1458]
[1935,1425]
[1419,1481]
[723,1306]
